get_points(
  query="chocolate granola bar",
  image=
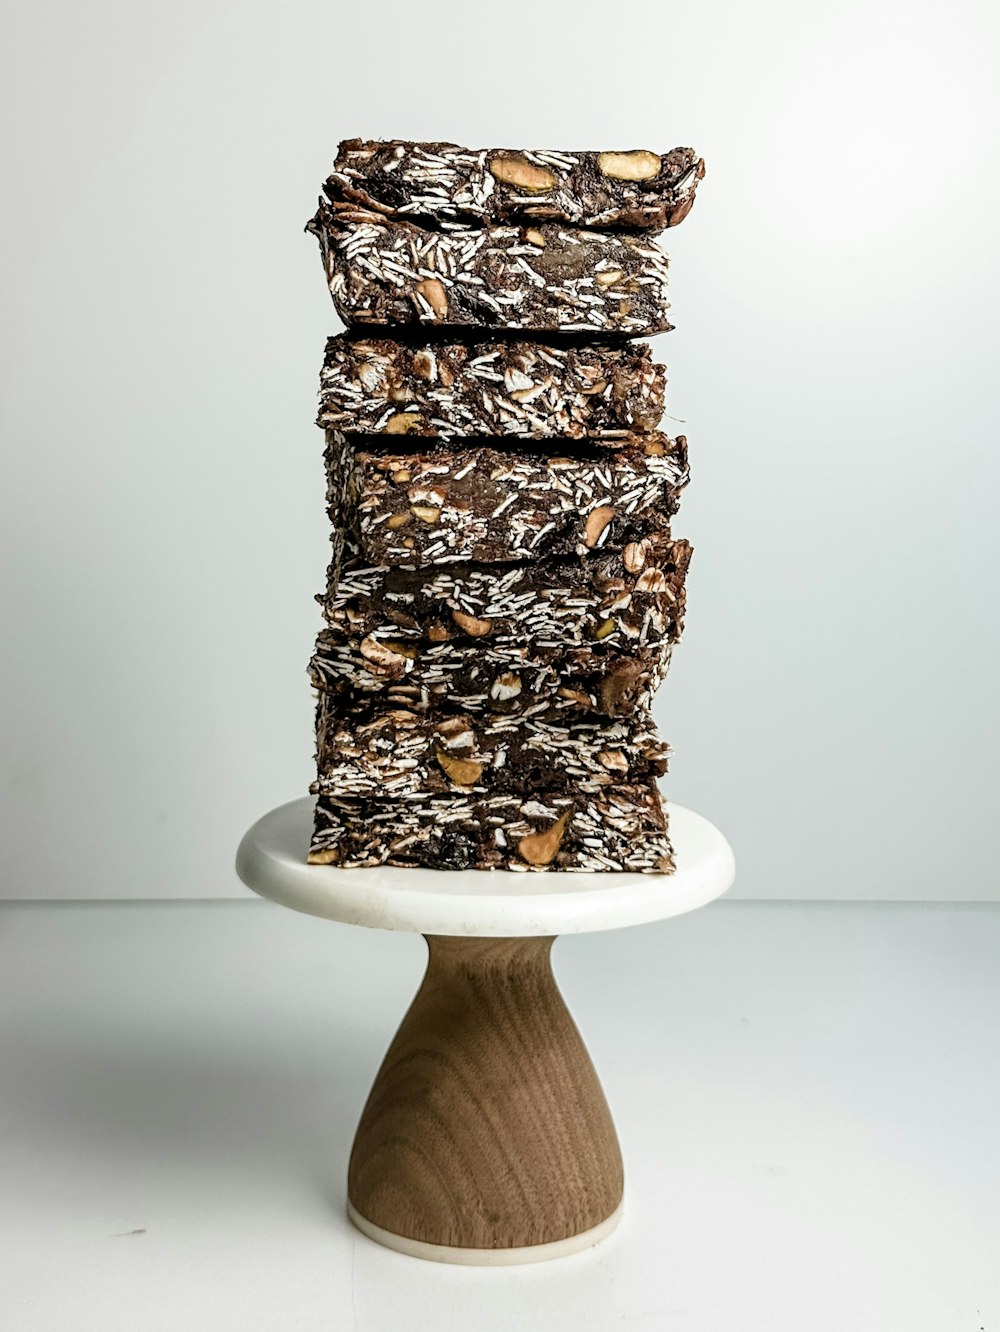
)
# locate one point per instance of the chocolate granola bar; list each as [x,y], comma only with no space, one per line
[618,828]
[460,501]
[398,754]
[525,389]
[424,676]
[545,279]
[624,601]
[443,184]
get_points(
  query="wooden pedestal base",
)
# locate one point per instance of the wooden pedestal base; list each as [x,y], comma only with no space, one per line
[486,1129]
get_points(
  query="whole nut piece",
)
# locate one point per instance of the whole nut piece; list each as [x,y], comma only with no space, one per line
[636,165]
[435,295]
[471,624]
[597,521]
[540,848]
[514,170]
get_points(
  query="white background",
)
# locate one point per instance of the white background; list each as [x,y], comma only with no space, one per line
[836,289]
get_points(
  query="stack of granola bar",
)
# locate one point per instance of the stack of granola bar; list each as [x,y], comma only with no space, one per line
[504,591]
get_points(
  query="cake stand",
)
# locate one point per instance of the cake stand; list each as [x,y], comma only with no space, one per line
[486,1137]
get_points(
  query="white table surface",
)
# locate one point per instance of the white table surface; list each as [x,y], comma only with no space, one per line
[807,1096]
[497,904]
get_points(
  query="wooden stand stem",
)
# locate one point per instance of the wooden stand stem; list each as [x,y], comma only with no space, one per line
[487,1127]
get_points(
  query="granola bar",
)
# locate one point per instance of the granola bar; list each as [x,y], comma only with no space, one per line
[460,501]
[545,279]
[423,675]
[619,828]
[398,754]
[625,600]
[441,183]
[525,389]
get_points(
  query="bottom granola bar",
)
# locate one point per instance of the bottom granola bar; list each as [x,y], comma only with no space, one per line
[619,828]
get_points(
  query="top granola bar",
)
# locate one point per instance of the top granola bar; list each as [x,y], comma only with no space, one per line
[444,184]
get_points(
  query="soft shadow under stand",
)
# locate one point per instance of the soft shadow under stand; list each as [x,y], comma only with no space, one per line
[486,1137]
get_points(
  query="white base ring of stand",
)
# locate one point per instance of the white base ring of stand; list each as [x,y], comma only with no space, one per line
[445,1253]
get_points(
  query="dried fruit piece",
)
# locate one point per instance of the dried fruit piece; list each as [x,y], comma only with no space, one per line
[471,624]
[597,521]
[512,169]
[401,477]
[463,772]
[437,632]
[435,295]
[602,630]
[636,165]
[535,237]
[540,848]
[608,277]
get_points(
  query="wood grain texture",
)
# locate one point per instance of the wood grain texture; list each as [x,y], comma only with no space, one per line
[487,1126]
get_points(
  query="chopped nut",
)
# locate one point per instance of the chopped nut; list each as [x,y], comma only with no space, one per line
[597,521]
[534,236]
[506,686]
[424,364]
[636,165]
[512,169]
[613,759]
[426,513]
[651,580]
[385,656]
[397,521]
[409,543]
[634,556]
[401,477]
[437,632]
[517,379]
[456,733]
[435,295]
[463,772]
[324,857]
[477,628]
[402,423]
[608,277]
[540,848]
